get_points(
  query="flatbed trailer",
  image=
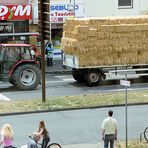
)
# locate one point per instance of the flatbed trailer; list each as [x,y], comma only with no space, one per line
[94,75]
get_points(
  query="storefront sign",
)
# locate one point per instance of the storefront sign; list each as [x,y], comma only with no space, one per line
[15,12]
[59,12]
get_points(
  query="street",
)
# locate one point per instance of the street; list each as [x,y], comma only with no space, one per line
[77,126]
[64,85]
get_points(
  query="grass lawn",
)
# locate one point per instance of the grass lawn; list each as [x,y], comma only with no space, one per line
[91,100]
[132,144]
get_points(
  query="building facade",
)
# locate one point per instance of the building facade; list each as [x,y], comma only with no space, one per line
[14,18]
[24,17]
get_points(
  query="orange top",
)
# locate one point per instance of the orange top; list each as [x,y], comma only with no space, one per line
[37,53]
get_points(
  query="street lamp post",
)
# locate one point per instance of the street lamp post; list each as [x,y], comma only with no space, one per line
[74,11]
[71,7]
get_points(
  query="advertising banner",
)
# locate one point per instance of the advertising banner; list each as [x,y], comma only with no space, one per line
[15,12]
[59,12]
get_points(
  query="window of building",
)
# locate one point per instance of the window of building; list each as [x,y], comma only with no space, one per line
[125,3]
[6,28]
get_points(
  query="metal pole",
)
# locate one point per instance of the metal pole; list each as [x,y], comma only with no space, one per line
[74,8]
[50,25]
[126,130]
[42,51]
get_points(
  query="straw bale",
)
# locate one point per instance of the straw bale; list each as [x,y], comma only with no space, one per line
[81,29]
[143,58]
[129,57]
[68,34]
[67,27]
[77,21]
[107,40]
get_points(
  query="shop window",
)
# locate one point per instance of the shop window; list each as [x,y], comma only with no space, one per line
[21,27]
[125,4]
[6,28]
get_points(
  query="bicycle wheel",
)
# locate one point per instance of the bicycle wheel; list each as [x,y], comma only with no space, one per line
[146,134]
[54,145]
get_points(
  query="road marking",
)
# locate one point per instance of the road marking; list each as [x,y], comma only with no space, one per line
[63,76]
[68,79]
[60,81]
[116,90]
[4,98]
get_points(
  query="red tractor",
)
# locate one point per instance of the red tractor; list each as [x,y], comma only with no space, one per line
[18,66]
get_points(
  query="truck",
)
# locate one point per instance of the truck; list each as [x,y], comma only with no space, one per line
[106,47]
[19,66]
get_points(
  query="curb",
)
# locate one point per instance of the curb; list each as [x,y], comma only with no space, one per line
[87,145]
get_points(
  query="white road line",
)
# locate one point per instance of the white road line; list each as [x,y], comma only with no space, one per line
[63,76]
[119,89]
[60,81]
[68,79]
[3,98]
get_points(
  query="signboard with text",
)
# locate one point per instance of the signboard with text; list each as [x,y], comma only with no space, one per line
[15,12]
[125,83]
[59,12]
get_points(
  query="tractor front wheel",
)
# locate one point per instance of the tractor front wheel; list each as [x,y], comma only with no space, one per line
[26,77]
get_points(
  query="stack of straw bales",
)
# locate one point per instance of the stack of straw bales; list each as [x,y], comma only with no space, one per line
[107,41]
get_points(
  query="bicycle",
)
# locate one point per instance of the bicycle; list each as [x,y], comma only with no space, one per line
[45,143]
[146,133]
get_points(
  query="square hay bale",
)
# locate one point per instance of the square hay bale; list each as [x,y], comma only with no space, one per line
[107,40]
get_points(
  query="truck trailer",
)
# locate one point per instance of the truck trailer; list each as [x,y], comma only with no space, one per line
[96,48]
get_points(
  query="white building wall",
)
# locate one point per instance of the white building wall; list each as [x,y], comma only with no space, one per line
[110,8]
[95,8]
[98,8]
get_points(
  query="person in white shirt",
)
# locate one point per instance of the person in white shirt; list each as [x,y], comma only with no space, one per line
[109,130]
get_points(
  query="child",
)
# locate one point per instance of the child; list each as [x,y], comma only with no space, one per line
[7,136]
[43,132]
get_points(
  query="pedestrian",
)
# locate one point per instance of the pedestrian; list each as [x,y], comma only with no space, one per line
[37,55]
[49,53]
[109,130]
[7,136]
[33,142]
[43,132]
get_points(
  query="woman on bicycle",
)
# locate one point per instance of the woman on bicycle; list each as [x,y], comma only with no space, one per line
[43,132]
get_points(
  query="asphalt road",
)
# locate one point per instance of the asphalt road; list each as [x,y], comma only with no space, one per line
[79,126]
[64,85]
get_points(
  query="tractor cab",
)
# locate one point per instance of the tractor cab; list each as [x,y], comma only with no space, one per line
[18,61]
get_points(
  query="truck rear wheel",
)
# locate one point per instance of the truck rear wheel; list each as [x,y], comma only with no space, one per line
[26,77]
[93,78]
[78,77]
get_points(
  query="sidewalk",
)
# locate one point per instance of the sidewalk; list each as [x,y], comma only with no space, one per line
[98,145]
[57,67]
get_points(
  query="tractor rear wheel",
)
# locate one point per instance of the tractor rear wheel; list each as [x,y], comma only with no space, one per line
[26,77]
